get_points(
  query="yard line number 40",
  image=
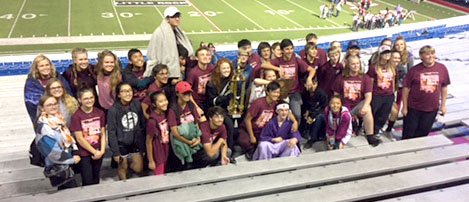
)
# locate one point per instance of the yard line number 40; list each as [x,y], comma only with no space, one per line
[26,16]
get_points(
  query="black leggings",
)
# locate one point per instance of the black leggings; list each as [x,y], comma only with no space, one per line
[90,170]
[381,106]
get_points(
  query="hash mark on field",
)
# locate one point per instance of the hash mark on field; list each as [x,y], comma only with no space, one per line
[203,15]
[253,22]
[286,18]
[159,12]
[118,19]
[16,19]
[69,15]
[306,9]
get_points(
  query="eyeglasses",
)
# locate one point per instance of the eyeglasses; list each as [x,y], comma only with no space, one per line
[56,88]
[52,105]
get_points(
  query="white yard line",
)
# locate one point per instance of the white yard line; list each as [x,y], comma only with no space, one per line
[311,11]
[117,16]
[159,12]
[425,16]
[16,19]
[69,15]
[203,15]
[253,22]
[286,18]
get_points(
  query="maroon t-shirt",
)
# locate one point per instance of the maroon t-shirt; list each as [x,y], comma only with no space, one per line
[255,61]
[327,74]
[139,94]
[198,79]
[152,88]
[425,85]
[261,113]
[352,89]
[90,125]
[158,127]
[383,85]
[185,116]
[292,70]
[210,135]
[322,56]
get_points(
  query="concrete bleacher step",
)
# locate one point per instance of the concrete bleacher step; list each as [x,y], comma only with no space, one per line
[299,179]
[221,173]
[453,194]
[370,188]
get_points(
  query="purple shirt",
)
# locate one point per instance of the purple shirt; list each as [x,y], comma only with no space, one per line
[425,85]
[385,84]
[273,130]
[199,78]
[292,70]
[209,135]
[352,89]
[90,125]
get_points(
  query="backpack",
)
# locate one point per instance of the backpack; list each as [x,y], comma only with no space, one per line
[35,157]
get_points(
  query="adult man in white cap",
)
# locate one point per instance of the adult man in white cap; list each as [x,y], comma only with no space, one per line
[162,48]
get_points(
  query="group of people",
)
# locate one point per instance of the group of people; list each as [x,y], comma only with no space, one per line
[169,113]
[384,18]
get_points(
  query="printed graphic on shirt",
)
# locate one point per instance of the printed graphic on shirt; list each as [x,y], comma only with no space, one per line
[91,130]
[187,118]
[352,90]
[253,64]
[129,121]
[264,118]
[429,81]
[385,82]
[214,136]
[203,80]
[290,71]
[164,128]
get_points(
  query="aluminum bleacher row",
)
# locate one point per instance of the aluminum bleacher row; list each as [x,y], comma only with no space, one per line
[18,68]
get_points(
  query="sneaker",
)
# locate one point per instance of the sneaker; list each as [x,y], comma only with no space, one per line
[308,145]
[249,154]
[372,140]
[233,160]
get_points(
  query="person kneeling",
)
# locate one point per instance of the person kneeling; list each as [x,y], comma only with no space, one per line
[213,138]
[277,138]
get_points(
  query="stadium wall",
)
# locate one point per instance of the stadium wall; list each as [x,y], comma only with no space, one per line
[18,65]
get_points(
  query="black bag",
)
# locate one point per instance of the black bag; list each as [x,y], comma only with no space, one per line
[59,174]
[35,157]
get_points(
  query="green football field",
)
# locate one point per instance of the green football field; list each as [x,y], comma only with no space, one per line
[218,21]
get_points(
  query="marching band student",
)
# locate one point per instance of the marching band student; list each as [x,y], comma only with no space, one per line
[406,61]
[253,60]
[313,125]
[258,115]
[133,74]
[424,86]
[264,51]
[89,128]
[311,55]
[126,131]
[338,123]
[55,143]
[290,68]
[321,55]
[277,138]
[214,139]
[199,76]
[42,70]
[80,74]
[374,57]
[109,76]
[259,85]
[353,49]
[383,77]
[337,45]
[158,135]
[219,93]
[328,73]
[161,74]
[67,104]
[355,88]
[185,135]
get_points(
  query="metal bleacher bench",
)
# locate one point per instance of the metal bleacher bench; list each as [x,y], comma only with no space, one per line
[232,182]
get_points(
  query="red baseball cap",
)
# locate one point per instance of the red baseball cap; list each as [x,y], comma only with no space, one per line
[183,87]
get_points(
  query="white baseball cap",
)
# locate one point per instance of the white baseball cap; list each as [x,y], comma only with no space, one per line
[171,11]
